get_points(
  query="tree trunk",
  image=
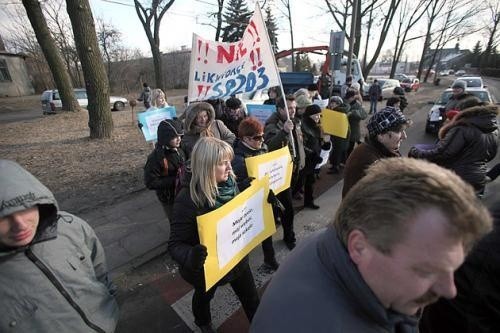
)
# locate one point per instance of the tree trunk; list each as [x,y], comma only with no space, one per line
[52,54]
[357,41]
[96,81]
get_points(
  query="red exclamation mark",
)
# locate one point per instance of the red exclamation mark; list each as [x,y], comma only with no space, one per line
[259,63]
[252,23]
[206,91]
[199,50]
[206,53]
[200,89]
[252,58]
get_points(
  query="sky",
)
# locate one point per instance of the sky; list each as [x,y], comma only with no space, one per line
[311,24]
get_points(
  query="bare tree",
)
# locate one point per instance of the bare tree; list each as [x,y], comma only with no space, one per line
[218,15]
[109,39]
[96,81]
[492,26]
[288,14]
[409,14]
[49,48]
[150,18]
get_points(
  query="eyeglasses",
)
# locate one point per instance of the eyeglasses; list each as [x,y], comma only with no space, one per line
[258,138]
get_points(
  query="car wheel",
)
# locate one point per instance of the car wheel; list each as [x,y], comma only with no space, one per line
[118,106]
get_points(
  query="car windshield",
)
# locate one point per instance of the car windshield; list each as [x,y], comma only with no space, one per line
[471,83]
[445,96]
[482,95]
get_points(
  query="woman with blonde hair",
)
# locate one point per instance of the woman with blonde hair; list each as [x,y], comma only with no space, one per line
[158,99]
[209,184]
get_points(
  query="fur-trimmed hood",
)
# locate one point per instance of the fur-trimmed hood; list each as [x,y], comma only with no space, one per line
[193,110]
[483,117]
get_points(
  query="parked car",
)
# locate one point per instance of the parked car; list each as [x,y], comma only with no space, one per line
[447,72]
[410,84]
[436,115]
[388,86]
[400,77]
[471,81]
[51,102]
[460,72]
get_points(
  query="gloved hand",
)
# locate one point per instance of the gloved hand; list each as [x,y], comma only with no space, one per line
[139,125]
[413,152]
[326,145]
[273,200]
[197,257]
[245,183]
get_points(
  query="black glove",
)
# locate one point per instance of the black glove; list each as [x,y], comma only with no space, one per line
[326,145]
[245,183]
[413,152]
[197,257]
[140,125]
[316,158]
[273,200]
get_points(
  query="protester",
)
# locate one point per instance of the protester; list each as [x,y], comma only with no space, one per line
[145,96]
[159,100]
[250,143]
[273,94]
[233,114]
[200,122]
[277,132]
[466,144]
[396,240]
[476,307]
[163,164]
[53,269]
[313,142]
[345,86]
[209,185]
[393,102]
[302,101]
[355,115]
[338,156]
[400,93]
[458,95]
[325,81]
[386,131]
[313,92]
[374,92]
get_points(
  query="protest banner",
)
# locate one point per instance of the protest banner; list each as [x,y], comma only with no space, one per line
[233,230]
[219,70]
[334,123]
[261,111]
[151,118]
[276,164]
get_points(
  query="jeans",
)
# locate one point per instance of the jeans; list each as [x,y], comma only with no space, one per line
[373,105]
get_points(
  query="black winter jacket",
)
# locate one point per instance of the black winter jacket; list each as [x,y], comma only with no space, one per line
[241,151]
[184,236]
[160,172]
[466,144]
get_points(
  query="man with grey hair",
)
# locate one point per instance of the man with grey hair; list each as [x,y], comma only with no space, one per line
[397,238]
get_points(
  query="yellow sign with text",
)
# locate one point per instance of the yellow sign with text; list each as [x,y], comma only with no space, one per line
[334,123]
[233,230]
[277,165]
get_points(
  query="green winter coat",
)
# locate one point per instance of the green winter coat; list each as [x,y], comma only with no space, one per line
[59,282]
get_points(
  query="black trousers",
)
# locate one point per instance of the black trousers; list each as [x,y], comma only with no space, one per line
[244,288]
[287,216]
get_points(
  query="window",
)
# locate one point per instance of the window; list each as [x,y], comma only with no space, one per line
[4,71]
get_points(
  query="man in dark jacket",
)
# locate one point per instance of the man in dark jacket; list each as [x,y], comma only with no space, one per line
[355,114]
[277,132]
[374,93]
[457,96]
[392,249]
[53,275]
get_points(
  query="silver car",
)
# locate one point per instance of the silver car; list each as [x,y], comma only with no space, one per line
[51,102]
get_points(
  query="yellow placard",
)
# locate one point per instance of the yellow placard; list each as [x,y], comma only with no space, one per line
[277,165]
[233,230]
[334,123]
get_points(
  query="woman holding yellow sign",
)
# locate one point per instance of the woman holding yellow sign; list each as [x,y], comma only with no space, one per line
[209,184]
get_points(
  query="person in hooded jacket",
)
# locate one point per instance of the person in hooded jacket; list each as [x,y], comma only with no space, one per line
[163,164]
[209,184]
[386,131]
[250,143]
[466,144]
[53,274]
[200,122]
[145,96]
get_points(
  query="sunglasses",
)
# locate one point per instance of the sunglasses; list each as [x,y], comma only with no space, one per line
[258,138]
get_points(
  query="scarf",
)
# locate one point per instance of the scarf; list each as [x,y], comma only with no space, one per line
[227,190]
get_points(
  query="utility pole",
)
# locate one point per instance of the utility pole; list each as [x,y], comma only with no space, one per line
[352,36]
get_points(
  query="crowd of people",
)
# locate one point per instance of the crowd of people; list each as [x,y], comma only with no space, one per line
[372,269]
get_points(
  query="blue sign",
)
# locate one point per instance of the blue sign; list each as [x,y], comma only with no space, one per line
[151,118]
[260,111]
